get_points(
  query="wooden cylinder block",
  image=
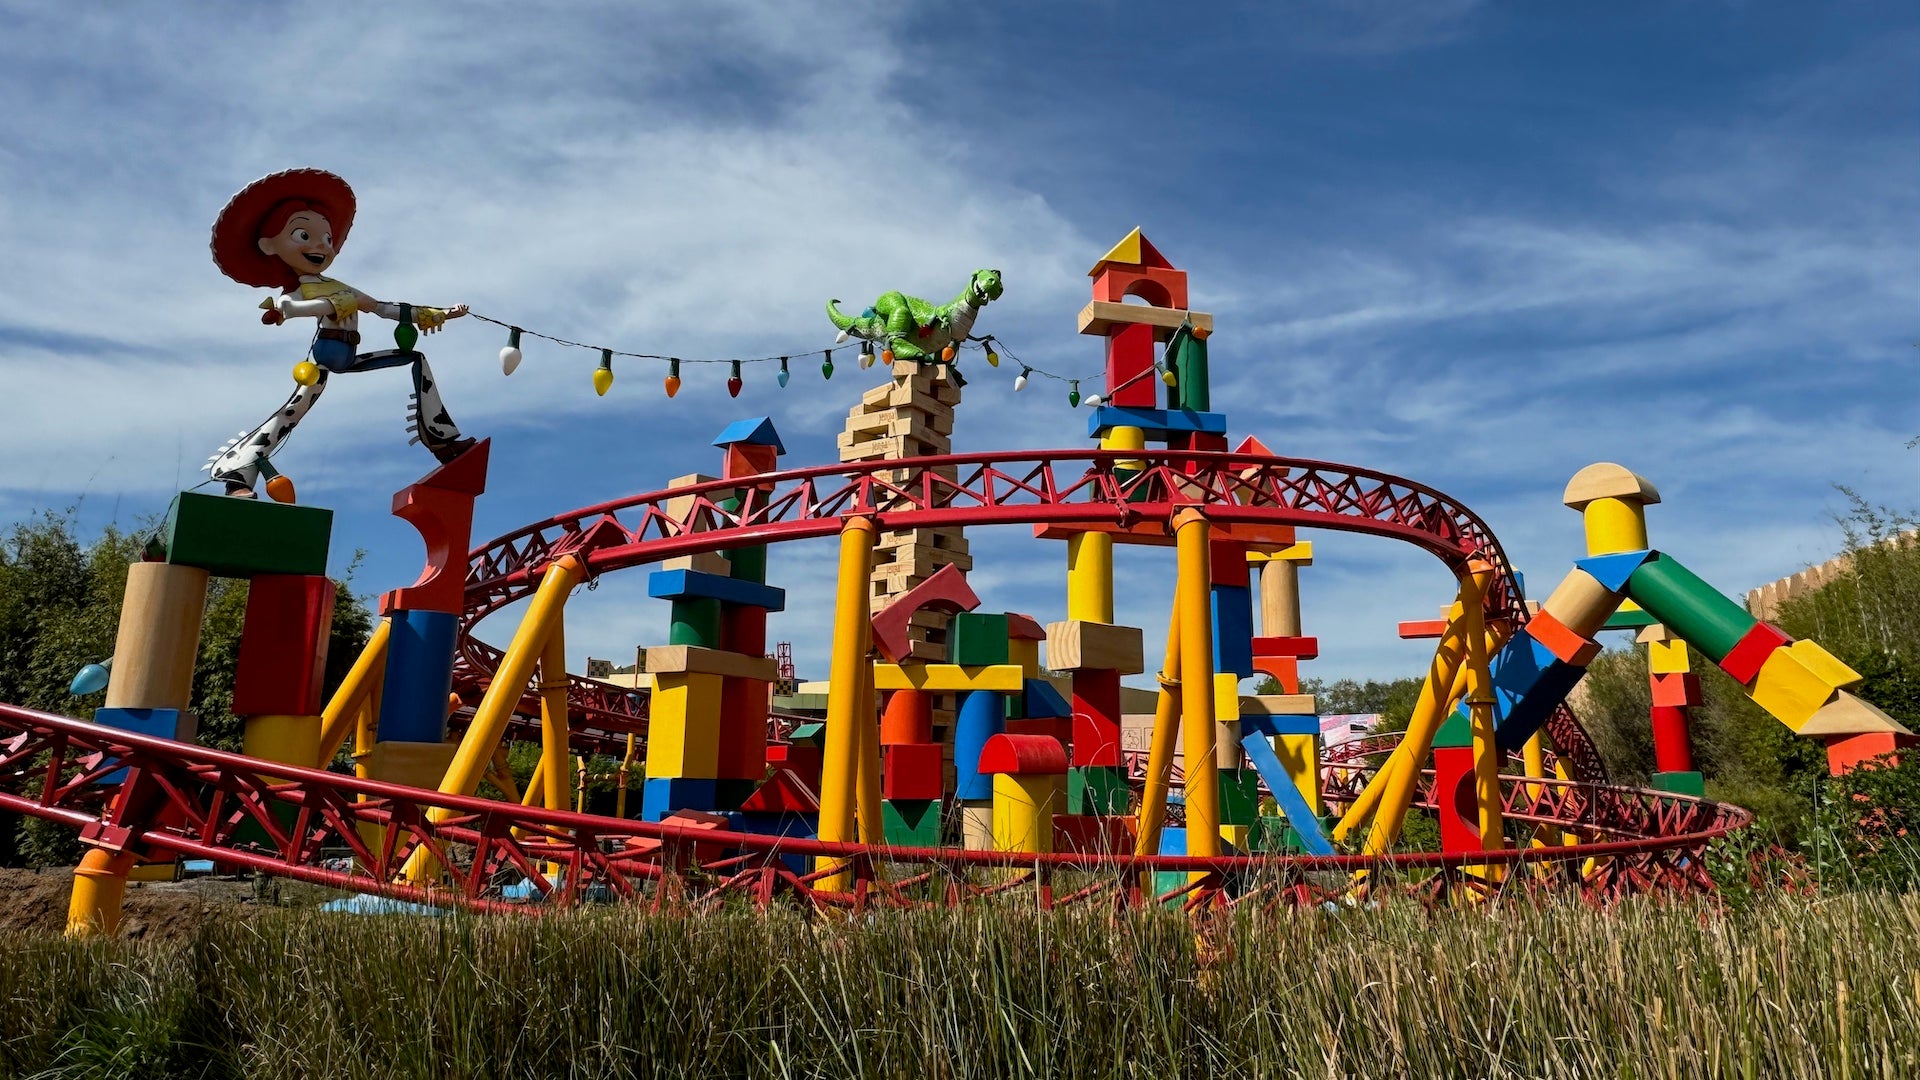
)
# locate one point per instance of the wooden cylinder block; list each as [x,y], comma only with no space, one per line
[1581,603]
[1279,599]
[159,637]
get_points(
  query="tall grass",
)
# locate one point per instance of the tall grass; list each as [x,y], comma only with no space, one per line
[1784,988]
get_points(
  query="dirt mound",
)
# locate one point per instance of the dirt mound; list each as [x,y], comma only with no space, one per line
[36,901]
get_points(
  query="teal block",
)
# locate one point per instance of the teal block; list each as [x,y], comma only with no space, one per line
[974,639]
[237,538]
[1098,789]
[910,822]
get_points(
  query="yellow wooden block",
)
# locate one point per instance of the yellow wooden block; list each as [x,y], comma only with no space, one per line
[1237,836]
[1668,657]
[1226,695]
[691,659]
[155,871]
[1300,553]
[1794,682]
[683,730]
[1025,653]
[1023,809]
[1076,644]
[948,678]
[293,740]
[1300,756]
[1126,252]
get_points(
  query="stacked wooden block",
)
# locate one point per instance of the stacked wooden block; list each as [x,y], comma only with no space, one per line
[909,416]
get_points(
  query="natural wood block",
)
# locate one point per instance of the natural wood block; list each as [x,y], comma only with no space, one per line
[1605,480]
[1277,705]
[679,506]
[158,638]
[1077,644]
[1100,318]
[691,659]
[701,562]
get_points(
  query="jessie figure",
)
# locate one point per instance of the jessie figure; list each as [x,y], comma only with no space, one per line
[282,231]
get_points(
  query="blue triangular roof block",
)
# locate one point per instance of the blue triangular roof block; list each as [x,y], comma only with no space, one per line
[757,430]
[1614,570]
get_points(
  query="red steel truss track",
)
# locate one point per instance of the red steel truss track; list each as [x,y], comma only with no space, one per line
[192,801]
[1045,487]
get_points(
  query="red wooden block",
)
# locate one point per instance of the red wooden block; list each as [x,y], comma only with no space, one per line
[1130,353]
[1847,752]
[440,508]
[1057,728]
[1563,643]
[1158,286]
[743,730]
[1672,747]
[947,590]
[749,459]
[1677,689]
[1023,755]
[1096,717]
[1453,796]
[1743,661]
[283,646]
[1284,669]
[803,761]
[1227,562]
[908,718]
[1300,648]
[743,629]
[912,771]
[1093,834]
[1024,628]
[1423,628]
[783,793]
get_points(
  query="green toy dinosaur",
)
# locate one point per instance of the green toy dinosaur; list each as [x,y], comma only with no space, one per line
[915,329]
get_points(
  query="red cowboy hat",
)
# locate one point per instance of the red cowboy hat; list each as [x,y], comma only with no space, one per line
[239,226]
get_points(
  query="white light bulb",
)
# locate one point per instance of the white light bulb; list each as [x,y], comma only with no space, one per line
[509,360]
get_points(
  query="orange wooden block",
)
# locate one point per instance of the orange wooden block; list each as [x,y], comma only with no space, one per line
[1561,641]
[1284,669]
[908,719]
[1677,689]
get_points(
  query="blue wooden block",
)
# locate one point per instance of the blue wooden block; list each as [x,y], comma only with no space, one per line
[754,430]
[413,697]
[662,795]
[787,825]
[1282,724]
[1043,701]
[1233,629]
[982,716]
[159,723]
[1552,688]
[1285,795]
[1157,423]
[1614,570]
[694,585]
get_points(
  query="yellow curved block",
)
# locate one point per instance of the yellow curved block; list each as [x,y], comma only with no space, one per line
[949,678]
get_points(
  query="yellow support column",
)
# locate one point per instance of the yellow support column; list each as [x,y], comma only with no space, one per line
[1486,755]
[553,717]
[852,625]
[342,712]
[1193,601]
[866,719]
[1090,577]
[99,888]
[1166,734]
[490,719]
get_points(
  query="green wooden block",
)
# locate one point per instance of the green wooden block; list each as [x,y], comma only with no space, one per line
[1681,783]
[1239,797]
[695,622]
[1098,789]
[911,822]
[237,538]
[749,563]
[1457,730]
[813,734]
[977,639]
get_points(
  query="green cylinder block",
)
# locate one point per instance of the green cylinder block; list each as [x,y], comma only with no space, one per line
[695,622]
[1700,614]
[749,563]
[1187,356]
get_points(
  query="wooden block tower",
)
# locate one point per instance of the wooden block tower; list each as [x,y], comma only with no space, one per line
[910,416]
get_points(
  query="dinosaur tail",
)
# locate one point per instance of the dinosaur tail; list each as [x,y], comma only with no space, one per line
[848,324]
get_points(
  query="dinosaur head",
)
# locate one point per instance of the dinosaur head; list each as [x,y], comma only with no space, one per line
[984,287]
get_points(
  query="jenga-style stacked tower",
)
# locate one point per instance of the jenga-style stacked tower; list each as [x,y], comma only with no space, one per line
[910,416]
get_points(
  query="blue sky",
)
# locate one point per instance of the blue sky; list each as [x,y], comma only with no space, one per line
[1478,244]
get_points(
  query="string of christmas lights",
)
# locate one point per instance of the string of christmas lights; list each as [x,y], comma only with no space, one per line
[991,346]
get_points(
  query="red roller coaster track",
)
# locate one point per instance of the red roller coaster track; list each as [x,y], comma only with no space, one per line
[1045,487]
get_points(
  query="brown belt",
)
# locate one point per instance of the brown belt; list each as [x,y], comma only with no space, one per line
[351,337]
